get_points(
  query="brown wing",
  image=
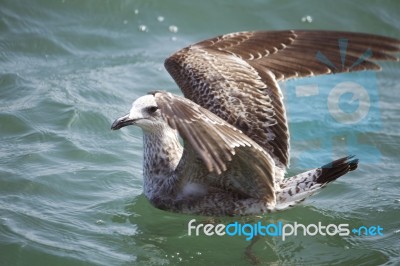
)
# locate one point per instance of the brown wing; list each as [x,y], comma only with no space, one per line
[239,163]
[235,75]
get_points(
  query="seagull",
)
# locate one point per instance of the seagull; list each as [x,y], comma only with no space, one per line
[232,120]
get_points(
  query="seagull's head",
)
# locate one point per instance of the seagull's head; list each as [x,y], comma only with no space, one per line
[144,114]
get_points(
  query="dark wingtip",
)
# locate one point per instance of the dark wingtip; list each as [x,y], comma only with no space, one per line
[336,169]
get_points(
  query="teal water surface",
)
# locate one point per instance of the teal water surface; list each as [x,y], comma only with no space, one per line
[71,190]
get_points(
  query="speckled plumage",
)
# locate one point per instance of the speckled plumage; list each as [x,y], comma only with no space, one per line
[233,121]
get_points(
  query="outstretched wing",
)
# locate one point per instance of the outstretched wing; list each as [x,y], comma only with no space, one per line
[235,75]
[213,145]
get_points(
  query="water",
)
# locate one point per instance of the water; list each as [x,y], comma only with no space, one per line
[71,190]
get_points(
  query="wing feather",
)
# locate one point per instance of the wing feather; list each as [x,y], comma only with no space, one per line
[239,163]
[235,75]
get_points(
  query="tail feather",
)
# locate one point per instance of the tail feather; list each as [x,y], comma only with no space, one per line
[297,188]
[335,169]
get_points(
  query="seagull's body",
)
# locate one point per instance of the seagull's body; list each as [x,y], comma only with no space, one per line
[233,121]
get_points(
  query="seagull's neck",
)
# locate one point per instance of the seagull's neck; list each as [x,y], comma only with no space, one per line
[162,153]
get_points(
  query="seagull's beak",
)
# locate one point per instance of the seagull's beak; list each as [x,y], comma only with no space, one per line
[122,122]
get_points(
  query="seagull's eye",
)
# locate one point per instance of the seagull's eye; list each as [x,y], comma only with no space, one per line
[152,109]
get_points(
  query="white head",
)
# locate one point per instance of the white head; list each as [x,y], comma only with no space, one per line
[144,114]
